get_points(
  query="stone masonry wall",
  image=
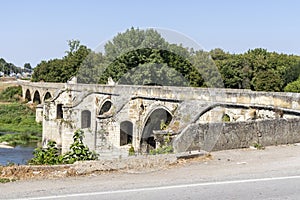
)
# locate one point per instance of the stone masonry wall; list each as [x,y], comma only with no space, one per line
[232,135]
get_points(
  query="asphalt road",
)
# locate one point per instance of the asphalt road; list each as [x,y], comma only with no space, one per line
[273,173]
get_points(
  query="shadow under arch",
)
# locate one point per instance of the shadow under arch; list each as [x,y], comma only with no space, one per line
[156,120]
[47,96]
[27,95]
[36,97]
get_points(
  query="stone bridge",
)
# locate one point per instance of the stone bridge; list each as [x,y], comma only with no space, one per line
[114,118]
[38,92]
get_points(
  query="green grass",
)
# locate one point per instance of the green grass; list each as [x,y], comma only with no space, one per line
[18,118]
[4,180]
[11,94]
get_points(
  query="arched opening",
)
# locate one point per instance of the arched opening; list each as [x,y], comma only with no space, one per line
[59,111]
[86,119]
[27,95]
[157,120]
[36,97]
[126,130]
[105,107]
[47,96]
[225,118]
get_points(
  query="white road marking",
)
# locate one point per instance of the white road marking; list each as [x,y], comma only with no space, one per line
[160,188]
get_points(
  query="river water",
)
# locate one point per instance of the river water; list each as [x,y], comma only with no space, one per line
[18,155]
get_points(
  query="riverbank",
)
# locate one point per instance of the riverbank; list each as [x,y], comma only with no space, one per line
[5,145]
[17,119]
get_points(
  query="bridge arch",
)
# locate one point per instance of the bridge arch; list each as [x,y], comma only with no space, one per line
[156,120]
[27,95]
[47,96]
[37,97]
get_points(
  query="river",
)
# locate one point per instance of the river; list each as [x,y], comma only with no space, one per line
[18,155]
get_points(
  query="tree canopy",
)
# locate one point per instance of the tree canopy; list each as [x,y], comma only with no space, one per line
[61,70]
[145,57]
[257,69]
[8,68]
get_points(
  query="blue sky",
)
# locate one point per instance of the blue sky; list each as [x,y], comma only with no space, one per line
[36,30]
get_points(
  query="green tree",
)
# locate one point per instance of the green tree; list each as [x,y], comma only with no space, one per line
[61,70]
[160,60]
[27,67]
[293,86]
[257,69]
[74,45]
[206,68]
[133,39]
[92,68]
[8,68]
[267,80]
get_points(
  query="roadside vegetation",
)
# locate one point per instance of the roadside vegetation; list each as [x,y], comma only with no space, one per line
[17,120]
[52,156]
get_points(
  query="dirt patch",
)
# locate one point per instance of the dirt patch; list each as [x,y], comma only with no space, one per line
[137,164]
[35,172]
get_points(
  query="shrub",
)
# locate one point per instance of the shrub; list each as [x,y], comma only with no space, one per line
[79,151]
[166,148]
[51,155]
[131,151]
[226,118]
[293,86]
[11,94]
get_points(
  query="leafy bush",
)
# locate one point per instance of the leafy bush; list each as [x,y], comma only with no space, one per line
[258,146]
[226,118]
[131,151]
[293,86]
[51,155]
[166,148]
[4,180]
[78,151]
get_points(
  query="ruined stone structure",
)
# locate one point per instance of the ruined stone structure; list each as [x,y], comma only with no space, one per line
[114,118]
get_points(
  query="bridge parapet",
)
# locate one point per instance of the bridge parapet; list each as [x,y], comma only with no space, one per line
[283,100]
[277,99]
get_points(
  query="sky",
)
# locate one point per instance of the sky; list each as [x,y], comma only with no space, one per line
[36,30]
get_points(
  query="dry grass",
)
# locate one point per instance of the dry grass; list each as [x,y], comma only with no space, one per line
[4,85]
[22,172]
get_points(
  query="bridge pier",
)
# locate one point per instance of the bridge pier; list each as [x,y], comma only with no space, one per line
[39,113]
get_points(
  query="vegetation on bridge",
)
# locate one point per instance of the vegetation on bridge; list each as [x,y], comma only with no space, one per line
[130,56]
